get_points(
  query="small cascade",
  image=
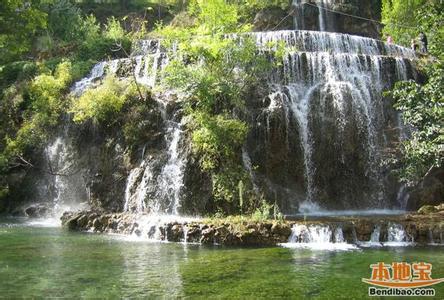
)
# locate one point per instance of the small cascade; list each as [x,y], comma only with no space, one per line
[435,239]
[185,233]
[317,237]
[248,166]
[430,237]
[402,197]
[155,186]
[375,238]
[149,61]
[298,14]
[171,179]
[150,228]
[324,21]
[159,228]
[96,73]
[330,42]
[131,186]
[339,235]
[67,182]
[397,236]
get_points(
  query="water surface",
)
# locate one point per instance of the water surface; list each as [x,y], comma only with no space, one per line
[38,261]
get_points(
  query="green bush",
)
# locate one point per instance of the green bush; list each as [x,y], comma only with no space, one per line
[217,139]
[215,80]
[111,42]
[100,104]
[46,97]
[17,71]
[422,109]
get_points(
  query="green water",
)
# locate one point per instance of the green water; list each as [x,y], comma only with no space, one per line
[50,262]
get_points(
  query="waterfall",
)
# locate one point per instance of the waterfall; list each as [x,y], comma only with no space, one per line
[324,23]
[315,41]
[328,88]
[65,177]
[150,61]
[397,236]
[246,160]
[317,237]
[374,238]
[148,190]
[298,17]
[334,82]
[339,235]
[171,179]
[154,186]
[402,197]
[97,72]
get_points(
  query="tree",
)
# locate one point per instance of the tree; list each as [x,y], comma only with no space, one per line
[423,109]
[19,22]
[422,106]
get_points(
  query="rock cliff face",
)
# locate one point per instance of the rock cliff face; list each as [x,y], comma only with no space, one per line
[355,17]
[352,16]
[320,133]
[320,127]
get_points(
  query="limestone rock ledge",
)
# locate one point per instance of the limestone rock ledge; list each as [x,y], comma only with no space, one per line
[420,228]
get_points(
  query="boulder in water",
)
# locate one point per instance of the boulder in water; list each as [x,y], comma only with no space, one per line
[36,211]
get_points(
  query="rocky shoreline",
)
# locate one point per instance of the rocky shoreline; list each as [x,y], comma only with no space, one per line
[420,228]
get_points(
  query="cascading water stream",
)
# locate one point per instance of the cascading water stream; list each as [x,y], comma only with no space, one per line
[331,76]
[65,176]
[397,236]
[299,6]
[317,237]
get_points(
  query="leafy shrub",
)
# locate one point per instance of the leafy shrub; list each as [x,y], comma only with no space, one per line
[45,95]
[17,71]
[112,42]
[217,139]
[422,108]
[100,104]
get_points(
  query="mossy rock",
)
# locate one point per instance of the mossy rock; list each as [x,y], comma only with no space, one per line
[427,209]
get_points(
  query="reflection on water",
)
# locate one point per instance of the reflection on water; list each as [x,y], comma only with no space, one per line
[50,262]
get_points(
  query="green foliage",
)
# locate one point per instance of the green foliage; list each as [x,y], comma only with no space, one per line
[17,71]
[217,138]
[100,104]
[261,4]
[19,22]
[138,122]
[45,96]
[215,16]
[405,19]
[65,21]
[421,105]
[215,80]
[99,44]
[423,109]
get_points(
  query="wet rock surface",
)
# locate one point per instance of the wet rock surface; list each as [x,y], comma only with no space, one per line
[417,227]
